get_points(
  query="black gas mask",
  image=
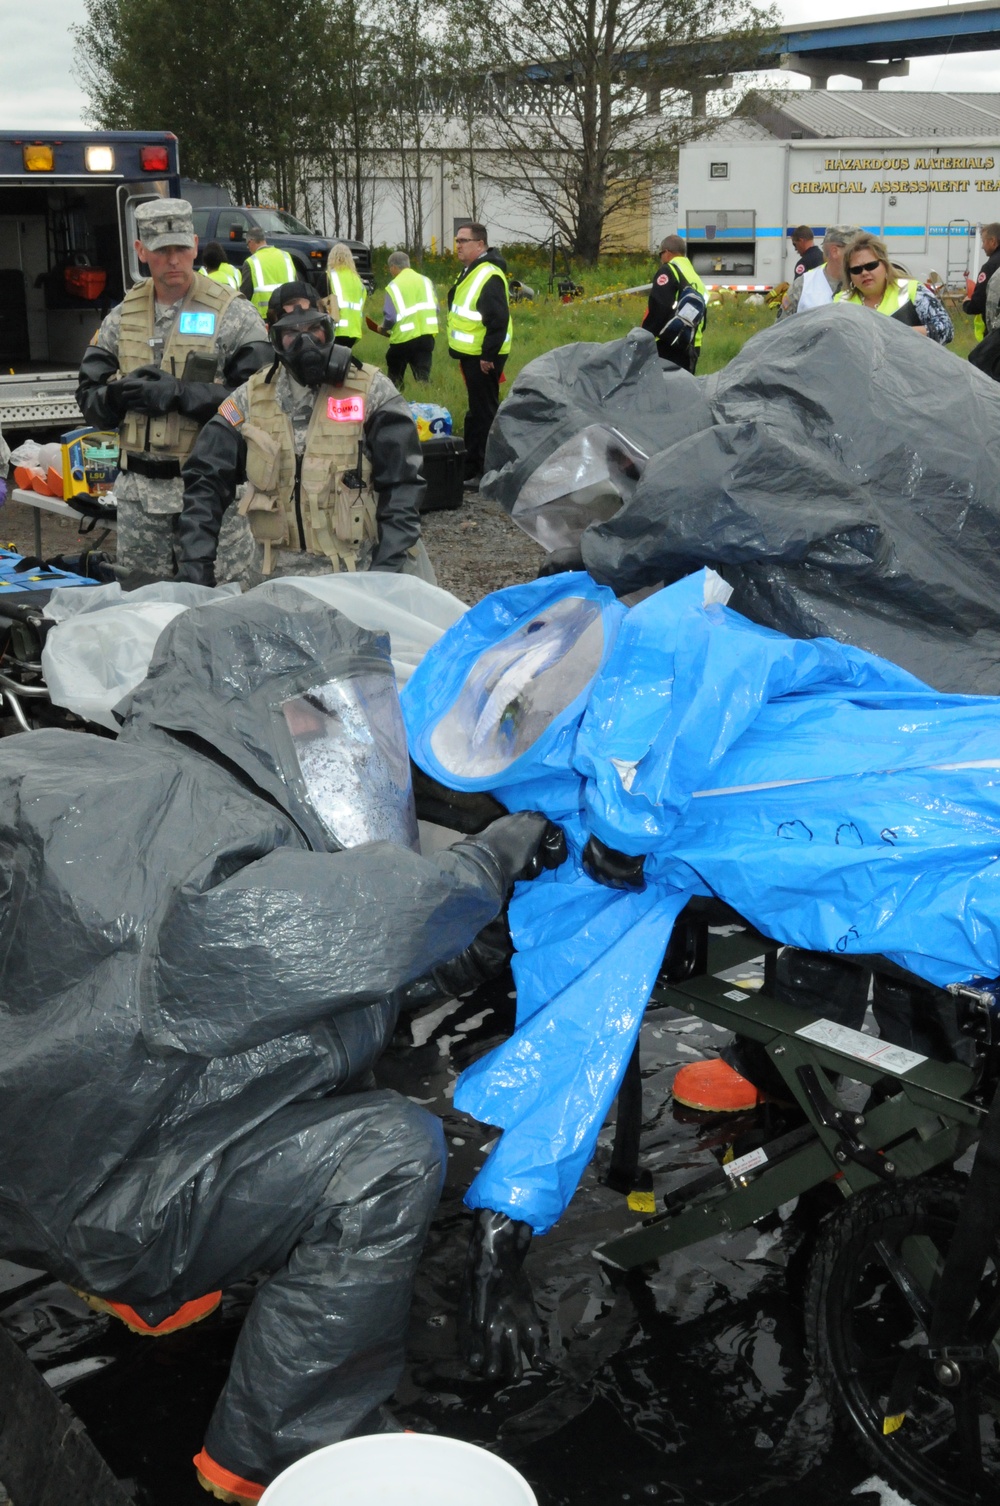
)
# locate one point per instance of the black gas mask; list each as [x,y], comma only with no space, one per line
[303,342]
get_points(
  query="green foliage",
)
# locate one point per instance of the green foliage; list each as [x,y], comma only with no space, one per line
[244,104]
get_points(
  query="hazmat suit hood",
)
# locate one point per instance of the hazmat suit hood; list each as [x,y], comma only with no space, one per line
[297,698]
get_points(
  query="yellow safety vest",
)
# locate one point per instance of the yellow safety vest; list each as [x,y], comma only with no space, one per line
[349,291]
[166,436]
[225,274]
[269,268]
[336,509]
[688,274]
[413,299]
[465,323]
[896,294]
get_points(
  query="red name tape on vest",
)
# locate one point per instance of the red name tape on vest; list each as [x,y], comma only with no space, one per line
[346,410]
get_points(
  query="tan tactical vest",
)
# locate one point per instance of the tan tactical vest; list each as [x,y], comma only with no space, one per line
[336,513]
[167,436]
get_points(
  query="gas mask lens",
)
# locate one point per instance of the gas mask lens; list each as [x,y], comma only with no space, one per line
[516,689]
[350,745]
[300,329]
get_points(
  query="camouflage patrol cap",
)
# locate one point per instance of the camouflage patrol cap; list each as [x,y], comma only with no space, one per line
[165,222]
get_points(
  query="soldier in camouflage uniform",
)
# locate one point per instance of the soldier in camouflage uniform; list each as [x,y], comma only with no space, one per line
[328,450]
[157,369]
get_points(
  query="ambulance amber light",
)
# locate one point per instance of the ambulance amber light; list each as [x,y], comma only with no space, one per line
[38,159]
[154,159]
[99,159]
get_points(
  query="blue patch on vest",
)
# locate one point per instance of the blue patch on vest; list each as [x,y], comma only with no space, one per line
[193,322]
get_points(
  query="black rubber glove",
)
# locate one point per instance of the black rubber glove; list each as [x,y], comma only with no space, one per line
[113,398]
[149,390]
[484,960]
[616,870]
[463,810]
[520,845]
[559,560]
[197,572]
[497,1318]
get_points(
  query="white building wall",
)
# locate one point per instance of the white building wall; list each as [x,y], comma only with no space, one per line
[926,198]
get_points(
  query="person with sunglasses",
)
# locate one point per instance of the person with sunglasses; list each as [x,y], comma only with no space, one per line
[480,333]
[870,279]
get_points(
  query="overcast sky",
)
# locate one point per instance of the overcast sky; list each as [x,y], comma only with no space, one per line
[40,91]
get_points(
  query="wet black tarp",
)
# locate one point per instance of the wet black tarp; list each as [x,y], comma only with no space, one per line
[843,477]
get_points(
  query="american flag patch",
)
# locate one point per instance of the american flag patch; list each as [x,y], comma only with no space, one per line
[229,411]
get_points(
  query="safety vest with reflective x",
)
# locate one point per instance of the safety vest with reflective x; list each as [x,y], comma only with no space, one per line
[348,290]
[269,268]
[413,299]
[465,323]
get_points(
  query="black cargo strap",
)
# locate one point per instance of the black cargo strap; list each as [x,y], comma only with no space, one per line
[151,467]
[978,1222]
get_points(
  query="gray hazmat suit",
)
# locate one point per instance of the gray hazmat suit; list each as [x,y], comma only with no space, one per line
[195,983]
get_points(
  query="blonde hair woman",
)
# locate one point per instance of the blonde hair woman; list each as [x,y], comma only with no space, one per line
[870,279]
[347,293]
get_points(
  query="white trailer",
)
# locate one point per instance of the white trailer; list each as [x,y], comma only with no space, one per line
[738,200]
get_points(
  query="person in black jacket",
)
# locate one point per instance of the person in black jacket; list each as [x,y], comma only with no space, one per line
[479,337]
[808,253]
[975,304]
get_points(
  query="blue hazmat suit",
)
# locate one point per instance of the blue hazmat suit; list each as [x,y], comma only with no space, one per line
[827,795]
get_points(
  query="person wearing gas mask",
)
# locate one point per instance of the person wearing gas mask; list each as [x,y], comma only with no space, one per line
[212,924]
[329,453]
[156,370]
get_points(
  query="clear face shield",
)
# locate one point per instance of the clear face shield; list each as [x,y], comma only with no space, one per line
[516,689]
[350,744]
[585,481]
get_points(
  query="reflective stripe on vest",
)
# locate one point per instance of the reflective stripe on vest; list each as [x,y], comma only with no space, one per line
[816,290]
[349,291]
[895,295]
[269,268]
[465,323]
[338,516]
[225,274]
[689,275]
[413,299]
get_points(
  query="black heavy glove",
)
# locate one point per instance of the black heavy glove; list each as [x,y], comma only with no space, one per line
[497,1318]
[520,845]
[484,960]
[113,397]
[616,870]
[149,390]
[197,572]
[462,810]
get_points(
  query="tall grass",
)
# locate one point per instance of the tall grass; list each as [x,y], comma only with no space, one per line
[546,322]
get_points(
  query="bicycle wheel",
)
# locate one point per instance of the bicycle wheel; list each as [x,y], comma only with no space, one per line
[864,1333]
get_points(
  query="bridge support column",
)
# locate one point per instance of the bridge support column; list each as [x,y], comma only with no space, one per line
[819,70]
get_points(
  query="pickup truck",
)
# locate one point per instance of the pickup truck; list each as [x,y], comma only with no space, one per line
[228,224]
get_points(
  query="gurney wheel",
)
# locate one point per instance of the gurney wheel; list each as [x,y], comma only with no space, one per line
[859,1328]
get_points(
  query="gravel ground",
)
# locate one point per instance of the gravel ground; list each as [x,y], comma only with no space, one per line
[475,549]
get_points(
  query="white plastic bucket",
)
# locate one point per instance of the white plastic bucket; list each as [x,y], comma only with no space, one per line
[400,1469]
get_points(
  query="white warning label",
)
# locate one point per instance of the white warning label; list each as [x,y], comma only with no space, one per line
[864,1048]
